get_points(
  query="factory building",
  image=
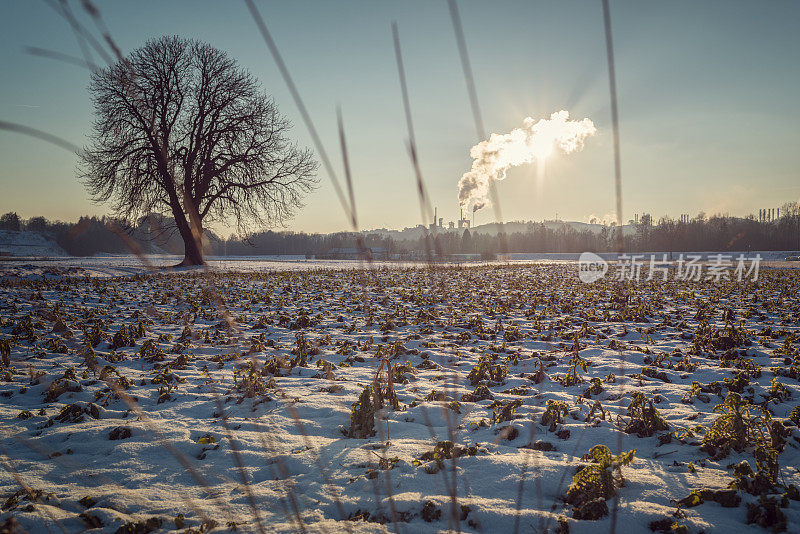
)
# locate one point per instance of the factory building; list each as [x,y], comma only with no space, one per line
[437,224]
[463,222]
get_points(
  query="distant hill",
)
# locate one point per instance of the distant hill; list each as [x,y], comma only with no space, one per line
[93,235]
[508,227]
[29,243]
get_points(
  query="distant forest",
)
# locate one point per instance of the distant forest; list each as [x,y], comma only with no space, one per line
[92,235]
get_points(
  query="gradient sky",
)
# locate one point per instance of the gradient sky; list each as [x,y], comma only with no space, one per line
[708,96]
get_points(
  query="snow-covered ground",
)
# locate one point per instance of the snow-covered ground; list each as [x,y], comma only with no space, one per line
[128,265]
[29,243]
[212,416]
[113,265]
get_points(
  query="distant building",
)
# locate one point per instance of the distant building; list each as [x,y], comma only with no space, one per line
[437,222]
[463,222]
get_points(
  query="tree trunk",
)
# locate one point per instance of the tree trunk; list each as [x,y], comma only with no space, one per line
[193,253]
[192,248]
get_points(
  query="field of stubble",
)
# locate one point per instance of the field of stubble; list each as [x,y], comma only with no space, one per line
[480,399]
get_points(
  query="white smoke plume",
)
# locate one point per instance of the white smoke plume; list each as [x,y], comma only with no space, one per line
[535,140]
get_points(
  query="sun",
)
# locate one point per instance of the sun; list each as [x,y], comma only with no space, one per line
[544,151]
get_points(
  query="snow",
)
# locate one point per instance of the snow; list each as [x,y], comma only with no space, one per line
[290,439]
[28,243]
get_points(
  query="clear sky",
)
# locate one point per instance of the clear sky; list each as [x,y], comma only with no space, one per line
[708,95]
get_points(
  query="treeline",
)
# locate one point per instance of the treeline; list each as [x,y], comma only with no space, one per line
[92,235]
[446,243]
[716,233]
[97,235]
[298,243]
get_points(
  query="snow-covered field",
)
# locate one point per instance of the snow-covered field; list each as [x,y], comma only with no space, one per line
[251,398]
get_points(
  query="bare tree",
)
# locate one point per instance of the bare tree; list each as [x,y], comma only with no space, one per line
[180,128]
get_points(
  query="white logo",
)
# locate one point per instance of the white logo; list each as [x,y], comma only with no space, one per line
[591,267]
[688,267]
